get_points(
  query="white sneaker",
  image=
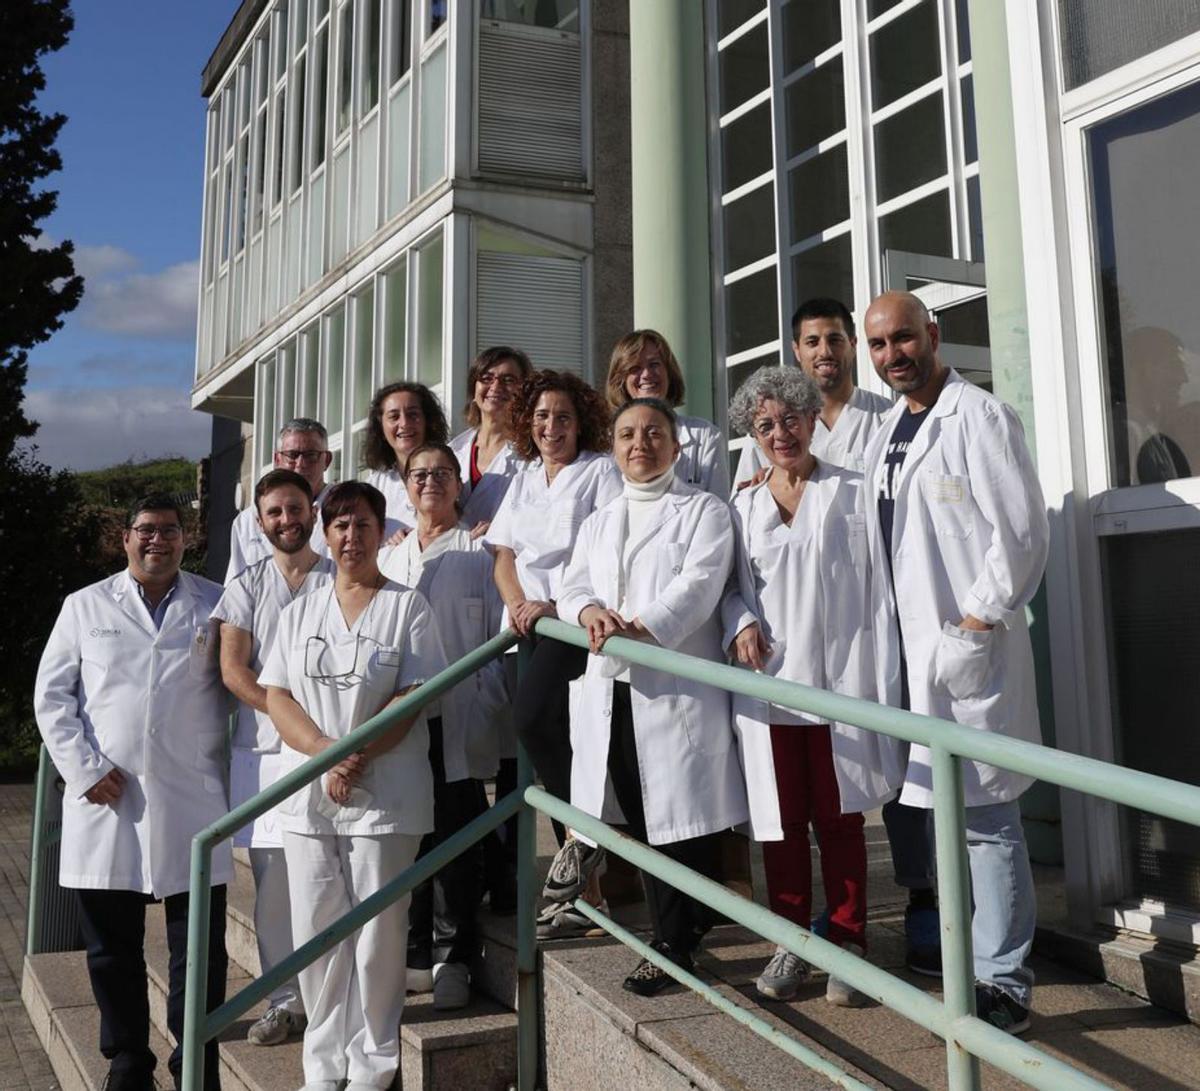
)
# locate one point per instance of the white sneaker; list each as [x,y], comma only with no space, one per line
[559,920]
[841,993]
[418,981]
[275,1026]
[451,986]
[782,975]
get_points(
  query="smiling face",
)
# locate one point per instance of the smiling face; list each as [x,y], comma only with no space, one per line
[782,433]
[308,454]
[556,427]
[903,344]
[496,388]
[643,444]
[354,537]
[825,353]
[154,546]
[648,378]
[433,485]
[403,422]
[287,517]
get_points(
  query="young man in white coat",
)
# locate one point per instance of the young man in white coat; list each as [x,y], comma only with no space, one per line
[249,614]
[130,704]
[958,520]
[303,447]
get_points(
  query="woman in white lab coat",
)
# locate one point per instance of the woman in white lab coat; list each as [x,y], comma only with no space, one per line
[652,565]
[340,657]
[402,417]
[442,560]
[642,365]
[560,428]
[800,611]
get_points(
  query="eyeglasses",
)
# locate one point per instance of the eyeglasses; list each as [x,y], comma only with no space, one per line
[314,651]
[504,380]
[307,457]
[146,532]
[767,425]
[440,474]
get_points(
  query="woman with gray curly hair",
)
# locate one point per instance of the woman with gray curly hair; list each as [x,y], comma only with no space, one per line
[799,610]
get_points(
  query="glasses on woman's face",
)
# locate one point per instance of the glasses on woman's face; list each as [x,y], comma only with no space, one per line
[765,426]
[440,475]
[490,378]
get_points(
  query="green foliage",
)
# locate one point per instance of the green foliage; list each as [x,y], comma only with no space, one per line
[119,486]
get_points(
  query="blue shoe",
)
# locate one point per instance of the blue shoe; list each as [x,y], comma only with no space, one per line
[820,927]
[923,952]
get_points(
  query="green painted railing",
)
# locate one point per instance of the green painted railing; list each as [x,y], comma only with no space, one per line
[968,1039]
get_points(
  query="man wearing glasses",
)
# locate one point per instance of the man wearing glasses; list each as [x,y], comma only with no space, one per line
[303,447]
[130,704]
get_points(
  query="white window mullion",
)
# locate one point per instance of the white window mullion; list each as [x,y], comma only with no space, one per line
[783,211]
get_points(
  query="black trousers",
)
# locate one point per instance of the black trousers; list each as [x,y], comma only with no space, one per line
[541,714]
[114,929]
[677,919]
[442,917]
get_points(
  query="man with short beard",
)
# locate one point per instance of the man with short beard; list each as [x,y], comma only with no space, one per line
[249,614]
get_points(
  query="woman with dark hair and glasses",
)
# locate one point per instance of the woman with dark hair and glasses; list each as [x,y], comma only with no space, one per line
[339,657]
[402,417]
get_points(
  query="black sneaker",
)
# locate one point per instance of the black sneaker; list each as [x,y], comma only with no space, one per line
[923,946]
[648,980]
[993,1005]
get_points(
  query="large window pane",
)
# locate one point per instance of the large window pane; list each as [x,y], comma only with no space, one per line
[310,340]
[751,311]
[731,14]
[746,147]
[816,107]
[819,192]
[401,40]
[320,96]
[905,54]
[1100,35]
[910,148]
[297,162]
[553,14]
[266,411]
[920,228]
[970,138]
[1146,208]
[395,322]
[745,68]
[345,83]
[975,216]
[825,270]
[429,313]
[364,353]
[287,382]
[431,167]
[335,369]
[964,30]
[370,73]
[750,227]
[809,28]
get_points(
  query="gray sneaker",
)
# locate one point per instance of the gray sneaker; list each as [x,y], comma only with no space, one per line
[275,1027]
[572,867]
[451,986]
[559,920]
[841,993]
[782,976]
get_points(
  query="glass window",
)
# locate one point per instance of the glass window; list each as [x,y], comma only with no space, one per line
[809,28]
[311,342]
[1146,208]
[437,17]
[297,163]
[227,216]
[281,28]
[287,382]
[244,94]
[322,10]
[920,228]
[910,148]
[750,227]
[739,373]
[878,7]
[260,169]
[905,54]
[401,39]
[1100,35]
[345,65]
[819,193]
[395,322]
[815,106]
[300,23]
[731,14]
[243,201]
[825,270]
[745,68]
[964,30]
[970,138]
[320,95]
[431,165]
[429,312]
[370,74]
[746,147]
[266,411]
[364,353]
[751,311]
[280,132]
[335,368]
[263,50]
[975,216]
[553,14]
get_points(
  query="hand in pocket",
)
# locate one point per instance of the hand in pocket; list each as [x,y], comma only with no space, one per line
[963,661]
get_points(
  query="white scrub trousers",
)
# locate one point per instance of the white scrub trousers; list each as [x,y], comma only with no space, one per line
[271,907]
[354,994]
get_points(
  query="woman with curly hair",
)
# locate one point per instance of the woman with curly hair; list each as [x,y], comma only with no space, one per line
[642,365]
[402,417]
[561,429]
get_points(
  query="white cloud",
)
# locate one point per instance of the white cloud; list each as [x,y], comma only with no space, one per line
[96,262]
[88,428]
[118,300]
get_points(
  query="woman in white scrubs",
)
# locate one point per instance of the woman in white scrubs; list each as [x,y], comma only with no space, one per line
[642,365]
[561,429]
[402,417]
[442,560]
[799,611]
[652,565]
[339,657]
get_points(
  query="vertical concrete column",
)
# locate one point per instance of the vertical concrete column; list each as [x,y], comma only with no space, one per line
[671,249]
[1008,324]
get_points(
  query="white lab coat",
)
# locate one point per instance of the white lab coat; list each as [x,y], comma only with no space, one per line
[703,460]
[341,676]
[252,602]
[400,513]
[248,544]
[114,692]
[970,536]
[842,445]
[481,502]
[454,574]
[808,587]
[678,566]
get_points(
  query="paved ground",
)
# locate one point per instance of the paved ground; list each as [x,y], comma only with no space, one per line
[23,1064]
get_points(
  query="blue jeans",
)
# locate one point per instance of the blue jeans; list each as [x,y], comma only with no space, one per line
[1004,898]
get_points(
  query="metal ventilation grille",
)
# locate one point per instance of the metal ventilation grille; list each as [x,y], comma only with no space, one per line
[534,304]
[530,89]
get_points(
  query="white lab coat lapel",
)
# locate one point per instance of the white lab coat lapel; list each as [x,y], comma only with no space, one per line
[126,595]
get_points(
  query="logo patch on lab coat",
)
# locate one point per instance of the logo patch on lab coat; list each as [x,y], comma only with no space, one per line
[946,489]
[98,632]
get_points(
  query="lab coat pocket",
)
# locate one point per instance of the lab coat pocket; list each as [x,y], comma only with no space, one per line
[472,612]
[202,656]
[856,538]
[672,554]
[963,661]
[948,498]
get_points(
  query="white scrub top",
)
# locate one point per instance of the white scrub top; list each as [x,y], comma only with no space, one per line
[539,522]
[341,676]
[482,501]
[253,602]
[400,513]
[248,544]
[703,461]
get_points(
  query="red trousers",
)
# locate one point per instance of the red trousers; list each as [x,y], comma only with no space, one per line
[808,792]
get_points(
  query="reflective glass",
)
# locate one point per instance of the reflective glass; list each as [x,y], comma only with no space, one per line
[746,147]
[1100,35]
[395,322]
[815,106]
[745,68]
[335,367]
[905,54]
[429,313]
[975,216]
[751,311]
[819,193]
[970,137]
[964,30]
[749,224]
[825,270]
[910,148]
[364,352]
[731,14]
[920,228]
[552,14]
[809,28]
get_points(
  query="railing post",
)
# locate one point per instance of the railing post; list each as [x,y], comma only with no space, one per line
[195,998]
[954,902]
[527,991]
[37,870]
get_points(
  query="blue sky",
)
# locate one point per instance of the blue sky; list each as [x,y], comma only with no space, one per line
[113,383]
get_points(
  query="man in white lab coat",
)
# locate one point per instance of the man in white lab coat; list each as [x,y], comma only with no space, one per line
[249,614]
[303,447]
[130,704]
[958,520]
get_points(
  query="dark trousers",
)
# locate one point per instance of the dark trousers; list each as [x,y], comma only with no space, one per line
[677,919]
[442,917]
[909,829]
[500,846]
[114,929]
[541,714]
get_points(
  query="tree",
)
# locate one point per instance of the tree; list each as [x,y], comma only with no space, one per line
[39,284]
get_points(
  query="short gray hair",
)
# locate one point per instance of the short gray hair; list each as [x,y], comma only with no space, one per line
[305,424]
[787,385]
